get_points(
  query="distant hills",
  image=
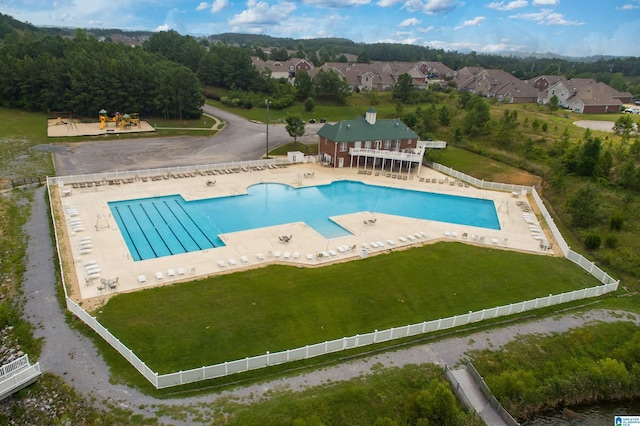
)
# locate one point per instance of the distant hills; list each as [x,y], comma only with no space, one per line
[321,50]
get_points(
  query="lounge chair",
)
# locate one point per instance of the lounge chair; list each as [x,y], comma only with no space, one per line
[296,255]
[244,259]
[447,234]
[260,256]
[232,262]
[286,255]
[222,263]
[333,252]
[276,254]
[159,276]
[309,256]
[325,254]
[402,239]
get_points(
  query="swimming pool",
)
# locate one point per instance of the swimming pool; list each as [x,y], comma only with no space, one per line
[163,226]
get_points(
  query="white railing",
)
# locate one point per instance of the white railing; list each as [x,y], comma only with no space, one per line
[17,374]
[359,340]
[432,144]
[388,154]
[162,172]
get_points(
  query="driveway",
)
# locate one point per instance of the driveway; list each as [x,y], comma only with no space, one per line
[240,140]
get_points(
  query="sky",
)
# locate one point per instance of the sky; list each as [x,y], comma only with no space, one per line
[562,27]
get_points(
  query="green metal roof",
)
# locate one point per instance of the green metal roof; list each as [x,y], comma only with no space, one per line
[360,130]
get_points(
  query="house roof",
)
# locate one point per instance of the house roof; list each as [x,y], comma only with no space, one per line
[360,129]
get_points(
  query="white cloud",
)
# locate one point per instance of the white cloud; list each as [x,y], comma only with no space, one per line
[335,4]
[628,6]
[388,3]
[436,7]
[202,6]
[260,12]
[429,29]
[545,2]
[218,5]
[477,47]
[163,27]
[409,22]
[545,17]
[515,4]
[471,22]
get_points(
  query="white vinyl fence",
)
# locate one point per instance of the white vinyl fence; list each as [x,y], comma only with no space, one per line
[17,374]
[359,340]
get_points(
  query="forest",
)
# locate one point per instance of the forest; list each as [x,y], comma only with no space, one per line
[53,69]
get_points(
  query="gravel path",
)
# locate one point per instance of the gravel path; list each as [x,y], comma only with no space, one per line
[70,355]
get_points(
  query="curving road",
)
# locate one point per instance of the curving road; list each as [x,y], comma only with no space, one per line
[70,355]
[240,140]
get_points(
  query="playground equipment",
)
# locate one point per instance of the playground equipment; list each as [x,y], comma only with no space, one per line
[122,121]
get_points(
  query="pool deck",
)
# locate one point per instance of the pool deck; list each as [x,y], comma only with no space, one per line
[97,254]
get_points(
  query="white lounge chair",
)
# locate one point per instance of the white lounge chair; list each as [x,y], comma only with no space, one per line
[412,238]
[333,252]
[391,242]
[159,276]
[260,256]
[181,271]
[454,234]
[296,255]
[424,234]
[171,272]
[402,239]
[142,279]
[342,249]
[309,256]
[222,263]
[447,234]
[494,241]
[244,259]
[232,262]
[276,254]
[325,254]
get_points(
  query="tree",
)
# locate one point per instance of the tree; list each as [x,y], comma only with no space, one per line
[623,126]
[476,120]
[294,126]
[363,57]
[404,89]
[554,103]
[330,85]
[303,85]
[589,156]
[583,205]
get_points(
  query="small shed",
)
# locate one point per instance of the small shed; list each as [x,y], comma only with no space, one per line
[295,157]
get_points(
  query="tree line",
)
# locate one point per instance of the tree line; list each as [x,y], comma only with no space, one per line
[84,75]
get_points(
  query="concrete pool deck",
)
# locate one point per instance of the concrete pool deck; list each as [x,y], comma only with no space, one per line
[94,252]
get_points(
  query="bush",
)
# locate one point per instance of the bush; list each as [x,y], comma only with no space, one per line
[592,241]
[309,104]
[615,222]
[611,241]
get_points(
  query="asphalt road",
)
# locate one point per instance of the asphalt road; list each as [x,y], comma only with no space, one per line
[240,140]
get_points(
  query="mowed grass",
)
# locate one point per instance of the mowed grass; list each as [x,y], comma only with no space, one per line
[232,316]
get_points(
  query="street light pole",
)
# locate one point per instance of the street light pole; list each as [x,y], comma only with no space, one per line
[267,103]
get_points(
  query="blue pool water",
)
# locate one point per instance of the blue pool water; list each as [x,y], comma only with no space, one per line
[163,226]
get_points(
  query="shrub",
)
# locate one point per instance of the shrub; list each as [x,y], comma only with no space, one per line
[593,241]
[615,222]
[309,104]
[611,241]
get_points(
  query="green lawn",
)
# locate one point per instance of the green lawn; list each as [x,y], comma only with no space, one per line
[275,308]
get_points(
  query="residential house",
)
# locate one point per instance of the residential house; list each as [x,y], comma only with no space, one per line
[587,96]
[283,69]
[386,144]
[542,84]
[495,84]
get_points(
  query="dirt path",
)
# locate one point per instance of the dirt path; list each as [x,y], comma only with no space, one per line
[72,356]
